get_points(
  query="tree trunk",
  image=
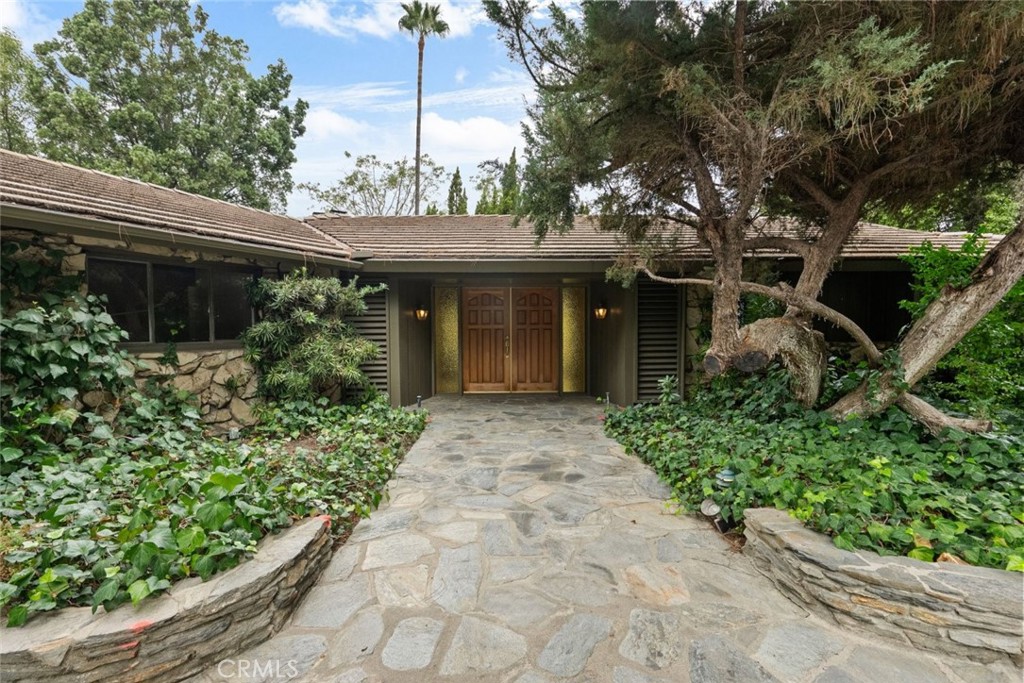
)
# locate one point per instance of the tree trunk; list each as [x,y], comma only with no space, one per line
[824,252]
[800,348]
[725,306]
[943,325]
[419,119]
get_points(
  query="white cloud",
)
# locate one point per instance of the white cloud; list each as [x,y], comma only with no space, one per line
[504,89]
[378,19]
[467,142]
[460,75]
[324,124]
[27,21]
[361,96]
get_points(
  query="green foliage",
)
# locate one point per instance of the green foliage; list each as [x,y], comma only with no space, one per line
[883,484]
[16,114]
[379,188]
[147,90]
[499,186]
[422,19]
[103,509]
[302,347]
[52,352]
[984,373]
[984,203]
[109,518]
[458,202]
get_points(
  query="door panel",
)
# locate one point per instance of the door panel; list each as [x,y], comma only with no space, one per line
[534,339]
[485,361]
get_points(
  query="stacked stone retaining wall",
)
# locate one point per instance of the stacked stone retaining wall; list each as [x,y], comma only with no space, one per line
[976,612]
[176,635]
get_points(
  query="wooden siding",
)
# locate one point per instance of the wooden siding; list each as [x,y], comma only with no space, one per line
[374,326]
[658,318]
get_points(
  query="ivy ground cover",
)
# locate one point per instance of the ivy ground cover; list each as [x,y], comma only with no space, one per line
[101,519]
[882,484]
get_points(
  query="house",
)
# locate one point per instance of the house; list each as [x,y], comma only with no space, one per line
[474,303]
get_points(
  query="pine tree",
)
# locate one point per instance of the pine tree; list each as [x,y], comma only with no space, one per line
[509,186]
[458,202]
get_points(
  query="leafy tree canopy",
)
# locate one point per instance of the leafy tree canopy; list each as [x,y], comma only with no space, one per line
[379,188]
[146,90]
[713,115]
[16,114]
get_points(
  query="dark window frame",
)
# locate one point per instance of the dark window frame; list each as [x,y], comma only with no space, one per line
[211,271]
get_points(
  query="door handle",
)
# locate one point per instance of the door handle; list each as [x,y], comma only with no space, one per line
[507,346]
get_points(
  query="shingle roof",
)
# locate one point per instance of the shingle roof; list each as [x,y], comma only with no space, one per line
[35,182]
[463,238]
[481,238]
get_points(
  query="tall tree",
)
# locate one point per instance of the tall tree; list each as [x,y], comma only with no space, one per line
[16,114]
[421,20]
[713,116]
[379,188]
[499,184]
[147,90]
[458,202]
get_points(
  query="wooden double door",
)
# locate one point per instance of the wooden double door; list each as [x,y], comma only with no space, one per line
[510,339]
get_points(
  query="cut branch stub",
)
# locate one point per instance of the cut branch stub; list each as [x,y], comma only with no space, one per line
[801,350]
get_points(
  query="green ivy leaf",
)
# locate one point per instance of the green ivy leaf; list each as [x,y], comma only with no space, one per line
[189,539]
[213,514]
[161,537]
[17,616]
[139,590]
[228,481]
[105,593]
[922,553]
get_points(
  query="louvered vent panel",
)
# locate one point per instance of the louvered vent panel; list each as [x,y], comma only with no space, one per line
[657,335]
[374,326]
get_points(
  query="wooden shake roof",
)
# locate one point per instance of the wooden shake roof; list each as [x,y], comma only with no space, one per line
[482,238]
[35,182]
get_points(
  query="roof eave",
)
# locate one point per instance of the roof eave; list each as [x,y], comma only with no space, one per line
[55,222]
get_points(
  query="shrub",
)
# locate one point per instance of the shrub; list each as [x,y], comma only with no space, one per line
[302,347]
[103,509]
[108,518]
[984,373]
[882,484]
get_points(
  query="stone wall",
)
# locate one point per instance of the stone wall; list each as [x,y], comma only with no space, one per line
[176,635]
[223,383]
[975,612]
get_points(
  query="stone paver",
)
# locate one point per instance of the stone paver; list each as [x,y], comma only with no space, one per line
[521,545]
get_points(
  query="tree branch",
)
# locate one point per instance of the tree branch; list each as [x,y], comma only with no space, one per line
[786,295]
[813,189]
[935,420]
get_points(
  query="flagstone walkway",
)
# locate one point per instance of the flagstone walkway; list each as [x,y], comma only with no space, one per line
[522,545]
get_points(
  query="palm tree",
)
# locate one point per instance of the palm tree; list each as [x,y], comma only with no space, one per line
[424,20]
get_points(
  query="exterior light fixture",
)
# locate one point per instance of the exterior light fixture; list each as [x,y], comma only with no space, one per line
[601,312]
[712,510]
[422,313]
[725,478]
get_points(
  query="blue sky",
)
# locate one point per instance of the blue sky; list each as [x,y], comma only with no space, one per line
[358,73]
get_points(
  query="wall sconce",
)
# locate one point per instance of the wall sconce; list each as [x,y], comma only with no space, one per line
[422,313]
[601,312]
